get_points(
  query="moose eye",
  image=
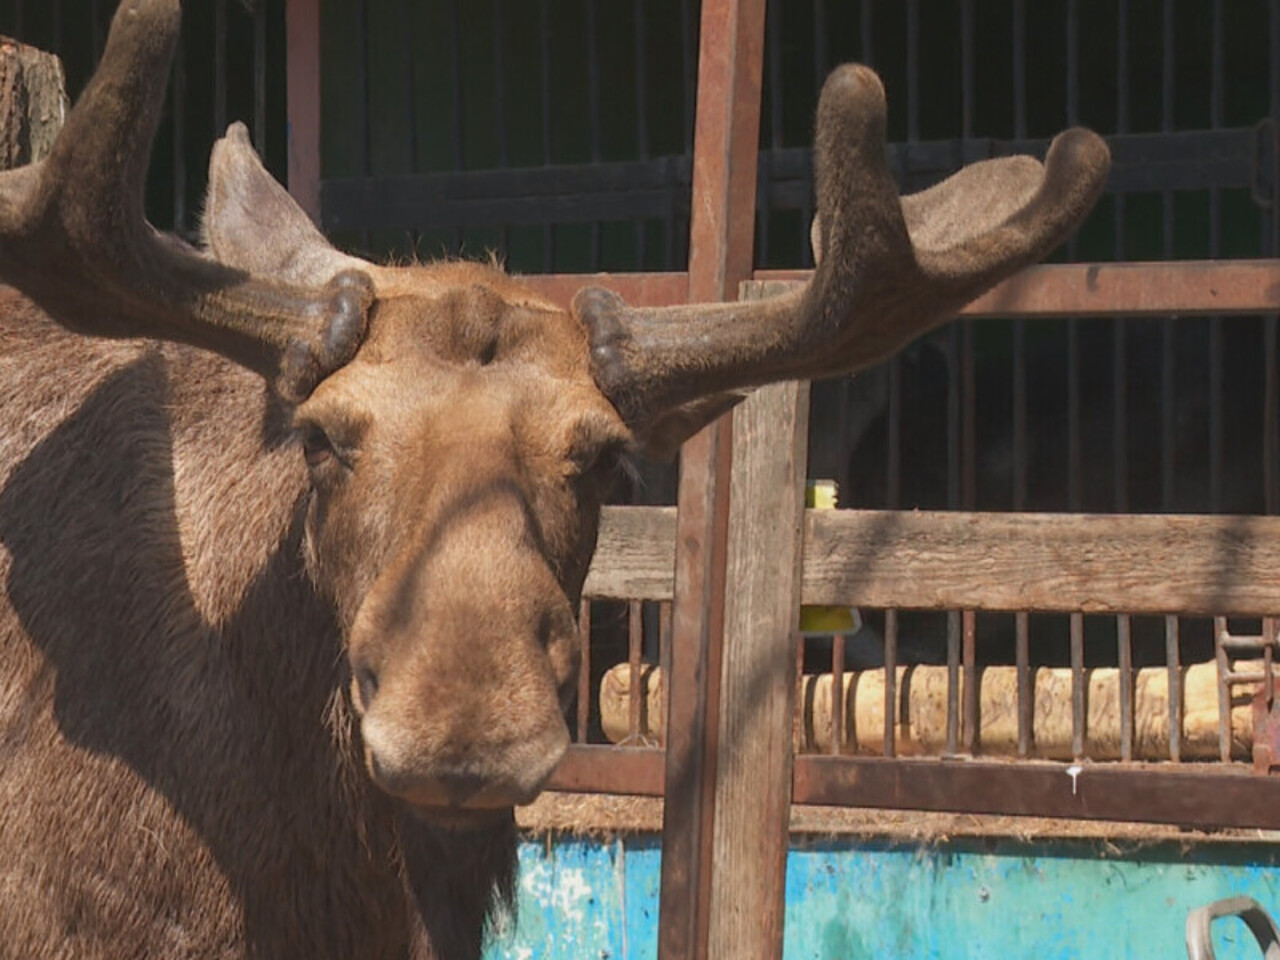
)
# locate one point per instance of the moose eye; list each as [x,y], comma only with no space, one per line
[317,449]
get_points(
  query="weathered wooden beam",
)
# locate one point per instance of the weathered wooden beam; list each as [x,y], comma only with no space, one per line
[33,103]
[758,668]
[1195,565]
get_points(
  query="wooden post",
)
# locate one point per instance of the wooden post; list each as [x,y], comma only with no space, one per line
[758,674]
[726,142]
[302,29]
[33,103]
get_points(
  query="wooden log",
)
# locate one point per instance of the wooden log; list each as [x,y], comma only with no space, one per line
[922,720]
[33,103]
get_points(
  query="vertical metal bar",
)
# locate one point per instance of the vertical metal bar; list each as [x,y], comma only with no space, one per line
[1124,660]
[837,691]
[455,77]
[642,110]
[1022,652]
[893,424]
[1223,660]
[584,668]
[1270,418]
[1020,69]
[366,121]
[1073,62]
[219,67]
[821,59]
[302,41]
[955,630]
[635,639]
[1021,623]
[864,28]
[57,28]
[913,70]
[968,500]
[96,33]
[1120,396]
[721,231]
[499,28]
[1079,688]
[260,79]
[411,84]
[1168,397]
[1174,658]
[890,683]
[544,36]
[593,111]
[1217,121]
[966,69]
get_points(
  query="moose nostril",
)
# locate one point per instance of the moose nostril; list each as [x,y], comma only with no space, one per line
[366,685]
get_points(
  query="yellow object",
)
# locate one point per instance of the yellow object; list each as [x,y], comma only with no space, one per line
[822,495]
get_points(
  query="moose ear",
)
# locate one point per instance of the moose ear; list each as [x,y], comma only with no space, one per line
[252,224]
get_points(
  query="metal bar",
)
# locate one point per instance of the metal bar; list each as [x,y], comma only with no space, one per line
[584,669]
[366,119]
[1208,797]
[1270,414]
[837,691]
[1124,660]
[913,70]
[730,64]
[544,38]
[1174,658]
[302,43]
[966,69]
[1221,639]
[640,76]
[890,682]
[593,112]
[635,639]
[1079,688]
[260,78]
[865,24]
[219,67]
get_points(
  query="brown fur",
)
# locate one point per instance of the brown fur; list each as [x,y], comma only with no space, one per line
[181,773]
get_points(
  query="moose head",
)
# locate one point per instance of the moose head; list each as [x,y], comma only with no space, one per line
[458,432]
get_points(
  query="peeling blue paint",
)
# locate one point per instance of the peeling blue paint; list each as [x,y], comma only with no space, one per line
[850,899]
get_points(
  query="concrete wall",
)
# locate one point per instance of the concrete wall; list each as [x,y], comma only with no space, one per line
[961,899]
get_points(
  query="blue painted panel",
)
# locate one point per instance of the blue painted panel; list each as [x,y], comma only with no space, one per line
[846,900]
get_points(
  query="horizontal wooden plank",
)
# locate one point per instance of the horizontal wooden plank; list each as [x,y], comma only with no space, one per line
[1099,563]
[1179,288]
[942,560]
[635,555]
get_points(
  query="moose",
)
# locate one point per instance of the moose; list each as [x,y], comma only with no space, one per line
[292,542]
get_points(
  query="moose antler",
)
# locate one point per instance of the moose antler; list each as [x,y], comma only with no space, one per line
[889,269]
[74,237]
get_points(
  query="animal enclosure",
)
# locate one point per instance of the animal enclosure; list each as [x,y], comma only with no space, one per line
[1106,384]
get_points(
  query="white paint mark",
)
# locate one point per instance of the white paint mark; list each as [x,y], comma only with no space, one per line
[1074,772]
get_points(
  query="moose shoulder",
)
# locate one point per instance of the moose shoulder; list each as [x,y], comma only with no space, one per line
[292,542]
